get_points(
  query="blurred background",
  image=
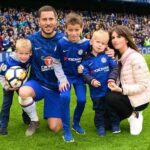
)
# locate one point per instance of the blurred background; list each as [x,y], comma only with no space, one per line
[18,18]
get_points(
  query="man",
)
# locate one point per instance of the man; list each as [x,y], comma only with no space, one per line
[42,83]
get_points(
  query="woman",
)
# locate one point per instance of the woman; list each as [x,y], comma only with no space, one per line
[131,94]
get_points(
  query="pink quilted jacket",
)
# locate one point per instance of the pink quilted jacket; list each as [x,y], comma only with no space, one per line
[135,77]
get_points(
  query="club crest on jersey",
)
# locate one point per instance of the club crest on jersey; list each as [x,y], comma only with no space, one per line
[48,60]
[80,51]
[103,60]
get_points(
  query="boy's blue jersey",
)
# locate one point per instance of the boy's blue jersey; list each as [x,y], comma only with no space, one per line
[71,55]
[99,68]
[10,61]
[42,65]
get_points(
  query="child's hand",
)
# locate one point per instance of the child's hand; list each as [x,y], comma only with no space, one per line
[5,84]
[12,89]
[64,86]
[95,83]
[80,69]
[8,88]
[111,82]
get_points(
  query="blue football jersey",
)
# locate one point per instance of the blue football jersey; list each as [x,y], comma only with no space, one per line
[99,68]
[71,55]
[42,64]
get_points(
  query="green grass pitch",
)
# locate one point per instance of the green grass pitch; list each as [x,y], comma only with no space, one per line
[46,140]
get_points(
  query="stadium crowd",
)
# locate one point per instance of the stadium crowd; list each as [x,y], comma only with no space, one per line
[16,23]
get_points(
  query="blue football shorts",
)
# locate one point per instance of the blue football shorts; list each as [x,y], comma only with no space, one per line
[52,100]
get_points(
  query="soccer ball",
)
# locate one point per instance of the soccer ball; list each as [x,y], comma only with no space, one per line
[15,76]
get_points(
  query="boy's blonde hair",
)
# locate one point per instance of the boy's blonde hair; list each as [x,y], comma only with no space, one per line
[23,44]
[101,33]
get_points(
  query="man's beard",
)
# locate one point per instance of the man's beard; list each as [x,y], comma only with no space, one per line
[48,34]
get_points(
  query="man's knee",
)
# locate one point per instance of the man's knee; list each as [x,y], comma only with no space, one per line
[54,124]
[54,128]
[26,91]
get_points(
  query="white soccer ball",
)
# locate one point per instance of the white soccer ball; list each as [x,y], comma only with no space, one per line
[15,76]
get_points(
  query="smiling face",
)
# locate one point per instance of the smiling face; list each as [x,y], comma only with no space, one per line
[47,23]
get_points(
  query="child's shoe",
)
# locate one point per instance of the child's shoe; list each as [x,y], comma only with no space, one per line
[67,137]
[3,131]
[78,129]
[101,131]
[116,129]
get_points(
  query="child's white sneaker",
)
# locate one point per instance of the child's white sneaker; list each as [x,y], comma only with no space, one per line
[136,123]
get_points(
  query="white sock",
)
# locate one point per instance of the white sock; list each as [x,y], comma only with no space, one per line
[28,105]
[140,112]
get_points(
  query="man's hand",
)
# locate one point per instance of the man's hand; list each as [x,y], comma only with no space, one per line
[64,86]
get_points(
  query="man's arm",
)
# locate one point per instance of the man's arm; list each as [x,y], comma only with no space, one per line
[64,84]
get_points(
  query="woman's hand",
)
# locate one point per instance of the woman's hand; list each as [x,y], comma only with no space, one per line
[110,52]
[113,87]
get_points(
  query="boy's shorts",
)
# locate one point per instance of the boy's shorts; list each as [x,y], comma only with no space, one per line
[52,100]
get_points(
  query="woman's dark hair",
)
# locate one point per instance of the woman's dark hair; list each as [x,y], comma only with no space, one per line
[126,33]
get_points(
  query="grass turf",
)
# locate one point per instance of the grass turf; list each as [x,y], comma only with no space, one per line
[44,139]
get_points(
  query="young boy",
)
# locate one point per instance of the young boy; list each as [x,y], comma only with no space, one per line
[97,69]
[21,57]
[70,51]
